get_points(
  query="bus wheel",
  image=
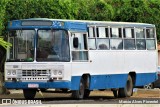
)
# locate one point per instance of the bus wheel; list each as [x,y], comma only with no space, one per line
[29,93]
[43,89]
[65,90]
[86,93]
[127,90]
[115,92]
[79,94]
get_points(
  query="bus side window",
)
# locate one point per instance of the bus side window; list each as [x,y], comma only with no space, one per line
[116,38]
[103,44]
[91,38]
[115,32]
[80,53]
[102,38]
[116,44]
[140,39]
[150,39]
[91,32]
[91,43]
[129,40]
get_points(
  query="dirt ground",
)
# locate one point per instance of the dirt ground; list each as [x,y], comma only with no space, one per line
[140,93]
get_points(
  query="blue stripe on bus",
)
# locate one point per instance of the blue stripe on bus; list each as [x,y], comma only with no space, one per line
[145,78]
[96,82]
[108,81]
[119,80]
[24,85]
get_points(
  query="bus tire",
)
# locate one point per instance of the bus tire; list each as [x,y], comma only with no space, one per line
[43,89]
[29,93]
[65,90]
[86,93]
[127,90]
[79,94]
[115,93]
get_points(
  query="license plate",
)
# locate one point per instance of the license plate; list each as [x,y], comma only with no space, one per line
[33,85]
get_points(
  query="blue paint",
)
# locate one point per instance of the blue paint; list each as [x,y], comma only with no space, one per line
[56,24]
[119,80]
[75,81]
[96,82]
[76,26]
[145,78]
[108,81]
[24,85]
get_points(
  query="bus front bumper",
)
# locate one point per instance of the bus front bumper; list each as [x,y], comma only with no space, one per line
[26,85]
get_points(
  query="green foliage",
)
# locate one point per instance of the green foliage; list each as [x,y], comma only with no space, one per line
[2,14]
[146,11]
[4,43]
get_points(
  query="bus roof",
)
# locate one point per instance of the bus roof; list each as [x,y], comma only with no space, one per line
[91,22]
[72,25]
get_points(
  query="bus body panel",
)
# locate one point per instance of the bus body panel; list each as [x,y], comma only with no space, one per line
[141,61]
[96,82]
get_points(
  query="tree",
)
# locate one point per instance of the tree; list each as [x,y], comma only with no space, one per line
[2,14]
[3,47]
[3,44]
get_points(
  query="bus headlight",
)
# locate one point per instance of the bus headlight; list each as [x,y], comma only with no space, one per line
[14,72]
[9,73]
[55,72]
[59,72]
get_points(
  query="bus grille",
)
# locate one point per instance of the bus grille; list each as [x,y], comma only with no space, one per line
[34,73]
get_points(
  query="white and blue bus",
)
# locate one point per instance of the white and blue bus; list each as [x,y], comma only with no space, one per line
[80,56]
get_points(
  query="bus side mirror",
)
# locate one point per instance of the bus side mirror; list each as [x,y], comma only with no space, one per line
[75,42]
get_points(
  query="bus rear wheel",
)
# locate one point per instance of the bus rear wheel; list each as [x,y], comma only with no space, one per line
[86,93]
[29,93]
[128,89]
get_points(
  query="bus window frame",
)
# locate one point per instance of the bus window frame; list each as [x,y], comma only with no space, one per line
[79,50]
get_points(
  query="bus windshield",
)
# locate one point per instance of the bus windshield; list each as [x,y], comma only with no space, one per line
[51,45]
[22,45]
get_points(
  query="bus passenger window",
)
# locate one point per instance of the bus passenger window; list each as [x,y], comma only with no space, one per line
[91,44]
[116,44]
[150,44]
[150,40]
[102,32]
[129,44]
[129,40]
[116,32]
[139,33]
[140,41]
[91,32]
[150,33]
[128,32]
[103,44]
[141,45]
